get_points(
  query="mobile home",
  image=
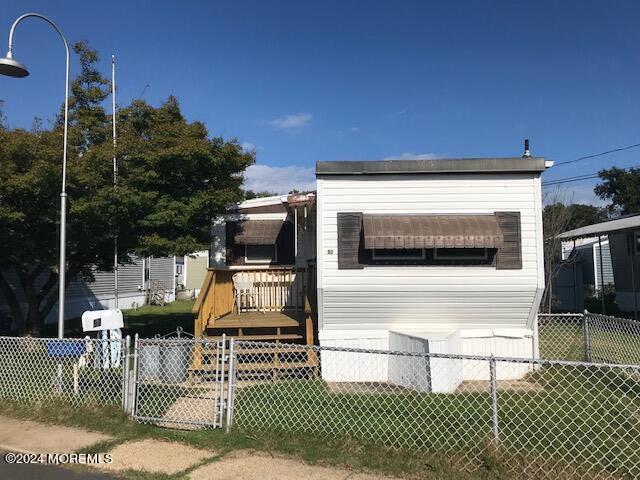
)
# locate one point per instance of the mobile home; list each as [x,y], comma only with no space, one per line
[446,251]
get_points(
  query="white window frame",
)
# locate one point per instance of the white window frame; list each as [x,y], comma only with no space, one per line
[423,255]
[262,261]
[461,257]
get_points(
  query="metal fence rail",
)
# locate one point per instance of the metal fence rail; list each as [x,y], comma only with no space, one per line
[589,337]
[544,418]
[79,371]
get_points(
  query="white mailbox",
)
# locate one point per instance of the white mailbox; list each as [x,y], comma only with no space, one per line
[101,320]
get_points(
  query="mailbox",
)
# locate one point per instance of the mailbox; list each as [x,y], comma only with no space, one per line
[101,320]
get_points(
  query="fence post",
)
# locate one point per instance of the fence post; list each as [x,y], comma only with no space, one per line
[125,373]
[134,378]
[493,380]
[586,338]
[231,384]
[220,364]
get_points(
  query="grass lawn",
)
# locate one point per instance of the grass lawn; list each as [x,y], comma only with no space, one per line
[150,320]
[565,341]
[337,451]
[146,321]
[589,417]
[579,419]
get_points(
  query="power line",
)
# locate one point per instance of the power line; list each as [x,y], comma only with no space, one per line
[578,178]
[586,157]
[569,180]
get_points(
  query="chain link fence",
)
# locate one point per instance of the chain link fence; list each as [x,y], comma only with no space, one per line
[78,371]
[180,382]
[589,337]
[540,418]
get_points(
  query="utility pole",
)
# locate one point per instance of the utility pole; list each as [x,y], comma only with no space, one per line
[115,178]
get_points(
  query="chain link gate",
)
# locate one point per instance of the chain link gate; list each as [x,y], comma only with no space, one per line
[179,383]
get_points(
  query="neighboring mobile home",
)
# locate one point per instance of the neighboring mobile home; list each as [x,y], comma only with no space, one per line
[623,238]
[448,252]
[134,280]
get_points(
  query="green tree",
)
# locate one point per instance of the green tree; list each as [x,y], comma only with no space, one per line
[568,217]
[622,188]
[250,194]
[173,179]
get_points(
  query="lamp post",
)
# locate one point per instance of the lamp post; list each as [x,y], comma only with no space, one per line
[12,68]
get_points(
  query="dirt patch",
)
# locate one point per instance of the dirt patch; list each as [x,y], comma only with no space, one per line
[154,456]
[34,437]
[249,465]
[198,410]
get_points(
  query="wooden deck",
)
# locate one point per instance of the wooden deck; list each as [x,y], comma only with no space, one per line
[217,314]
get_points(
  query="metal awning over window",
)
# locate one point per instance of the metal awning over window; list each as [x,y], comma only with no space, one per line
[431,231]
[257,232]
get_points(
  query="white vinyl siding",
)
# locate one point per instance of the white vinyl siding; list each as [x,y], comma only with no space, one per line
[607,269]
[434,298]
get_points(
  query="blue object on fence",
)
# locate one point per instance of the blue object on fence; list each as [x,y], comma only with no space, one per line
[66,348]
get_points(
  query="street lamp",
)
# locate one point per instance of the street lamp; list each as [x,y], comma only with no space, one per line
[13,68]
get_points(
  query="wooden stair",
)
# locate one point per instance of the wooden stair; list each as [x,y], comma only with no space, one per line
[262,338]
[217,315]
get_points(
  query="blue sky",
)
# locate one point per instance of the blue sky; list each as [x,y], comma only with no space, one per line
[307,81]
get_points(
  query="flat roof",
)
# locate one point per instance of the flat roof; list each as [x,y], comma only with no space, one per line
[603,228]
[446,165]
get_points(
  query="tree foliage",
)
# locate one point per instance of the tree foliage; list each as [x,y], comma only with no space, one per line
[622,188]
[173,179]
[572,216]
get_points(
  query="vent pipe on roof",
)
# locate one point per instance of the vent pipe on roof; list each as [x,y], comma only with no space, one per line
[527,153]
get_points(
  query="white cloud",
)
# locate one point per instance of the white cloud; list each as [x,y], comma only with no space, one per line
[567,194]
[355,129]
[261,178]
[414,156]
[250,147]
[296,120]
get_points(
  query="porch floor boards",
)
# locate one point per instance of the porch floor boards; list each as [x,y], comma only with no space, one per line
[259,320]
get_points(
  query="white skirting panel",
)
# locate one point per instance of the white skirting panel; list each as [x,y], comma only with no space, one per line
[438,375]
[352,366]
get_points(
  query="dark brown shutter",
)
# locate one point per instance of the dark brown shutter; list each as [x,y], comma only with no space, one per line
[509,257]
[349,237]
[234,252]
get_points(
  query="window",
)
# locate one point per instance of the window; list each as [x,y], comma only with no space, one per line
[260,254]
[179,267]
[636,238]
[398,254]
[460,254]
[431,256]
